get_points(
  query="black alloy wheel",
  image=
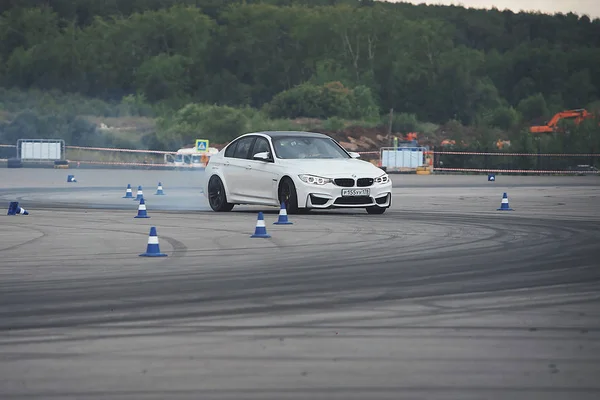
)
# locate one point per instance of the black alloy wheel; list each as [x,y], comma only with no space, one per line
[288,195]
[217,198]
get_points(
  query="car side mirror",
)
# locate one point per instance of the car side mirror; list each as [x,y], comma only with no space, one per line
[262,156]
[354,154]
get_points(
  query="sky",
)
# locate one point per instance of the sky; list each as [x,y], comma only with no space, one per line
[580,7]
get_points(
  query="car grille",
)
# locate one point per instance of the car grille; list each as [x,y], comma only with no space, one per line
[363,182]
[344,182]
[354,200]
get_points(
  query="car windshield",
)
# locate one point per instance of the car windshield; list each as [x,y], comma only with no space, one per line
[307,147]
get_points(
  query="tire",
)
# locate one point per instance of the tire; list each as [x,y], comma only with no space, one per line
[217,199]
[288,195]
[376,210]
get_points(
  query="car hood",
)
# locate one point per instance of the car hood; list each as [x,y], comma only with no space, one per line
[335,168]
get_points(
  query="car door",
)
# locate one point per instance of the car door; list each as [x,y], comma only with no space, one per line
[223,164]
[236,168]
[262,177]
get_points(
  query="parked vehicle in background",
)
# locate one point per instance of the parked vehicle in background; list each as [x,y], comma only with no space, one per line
[584,169]
[190,157]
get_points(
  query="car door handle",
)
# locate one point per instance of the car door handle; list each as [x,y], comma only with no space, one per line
[248,166]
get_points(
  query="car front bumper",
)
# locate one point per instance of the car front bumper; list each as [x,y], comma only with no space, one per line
[332,196]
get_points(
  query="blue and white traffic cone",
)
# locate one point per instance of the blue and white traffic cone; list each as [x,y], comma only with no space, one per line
[128,193]
[283,217]
[153,248]
[504,206]
[14,209]
[142,213]
[261,229]
[140,194]
[71,178]
[159,190]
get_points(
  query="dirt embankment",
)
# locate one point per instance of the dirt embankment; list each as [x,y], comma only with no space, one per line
[361,139]
[352,138]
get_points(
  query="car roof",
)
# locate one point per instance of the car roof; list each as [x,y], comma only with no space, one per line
[279,134]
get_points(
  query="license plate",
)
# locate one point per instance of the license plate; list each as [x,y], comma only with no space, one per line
[355,192]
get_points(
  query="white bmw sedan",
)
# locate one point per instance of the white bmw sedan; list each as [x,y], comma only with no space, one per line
[304,170]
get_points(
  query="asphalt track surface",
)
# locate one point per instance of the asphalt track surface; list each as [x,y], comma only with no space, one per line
[442,297]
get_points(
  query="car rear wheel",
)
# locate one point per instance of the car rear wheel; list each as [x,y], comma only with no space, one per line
[216,195]
[288,196]
[376,210]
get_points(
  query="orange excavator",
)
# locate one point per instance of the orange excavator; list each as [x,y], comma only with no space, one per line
[578,115]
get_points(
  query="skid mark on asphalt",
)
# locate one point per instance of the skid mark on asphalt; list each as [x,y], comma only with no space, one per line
[442,297]
[179,249]
[27,242]
[374,235]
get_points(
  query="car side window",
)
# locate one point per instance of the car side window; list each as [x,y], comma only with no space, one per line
[230,151]
[262,145]
[243,147]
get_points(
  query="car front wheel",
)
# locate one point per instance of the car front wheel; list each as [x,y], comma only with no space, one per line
[288,196]
[216,195]
[376,210]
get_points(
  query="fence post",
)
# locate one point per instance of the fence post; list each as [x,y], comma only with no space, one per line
[390,124]
[539,157]
[486,158]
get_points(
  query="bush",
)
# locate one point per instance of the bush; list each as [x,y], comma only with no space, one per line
[257,121]
[218,124]
[58,103]
[336,100]
[135,105]
[73,130]
[533,107]
[505,118]
[403,123]
[364,104]
[334,124]
[301,101]
[332,99]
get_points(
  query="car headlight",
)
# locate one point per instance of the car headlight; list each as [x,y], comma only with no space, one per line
[314,180]
[382,179]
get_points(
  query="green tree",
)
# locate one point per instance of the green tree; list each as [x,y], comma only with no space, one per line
[364,104]
[505,118]
[332,99]
[436,62]
[579,89]
[219,124]
[534,107]
[405,123]
[163,76]
[26,28]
